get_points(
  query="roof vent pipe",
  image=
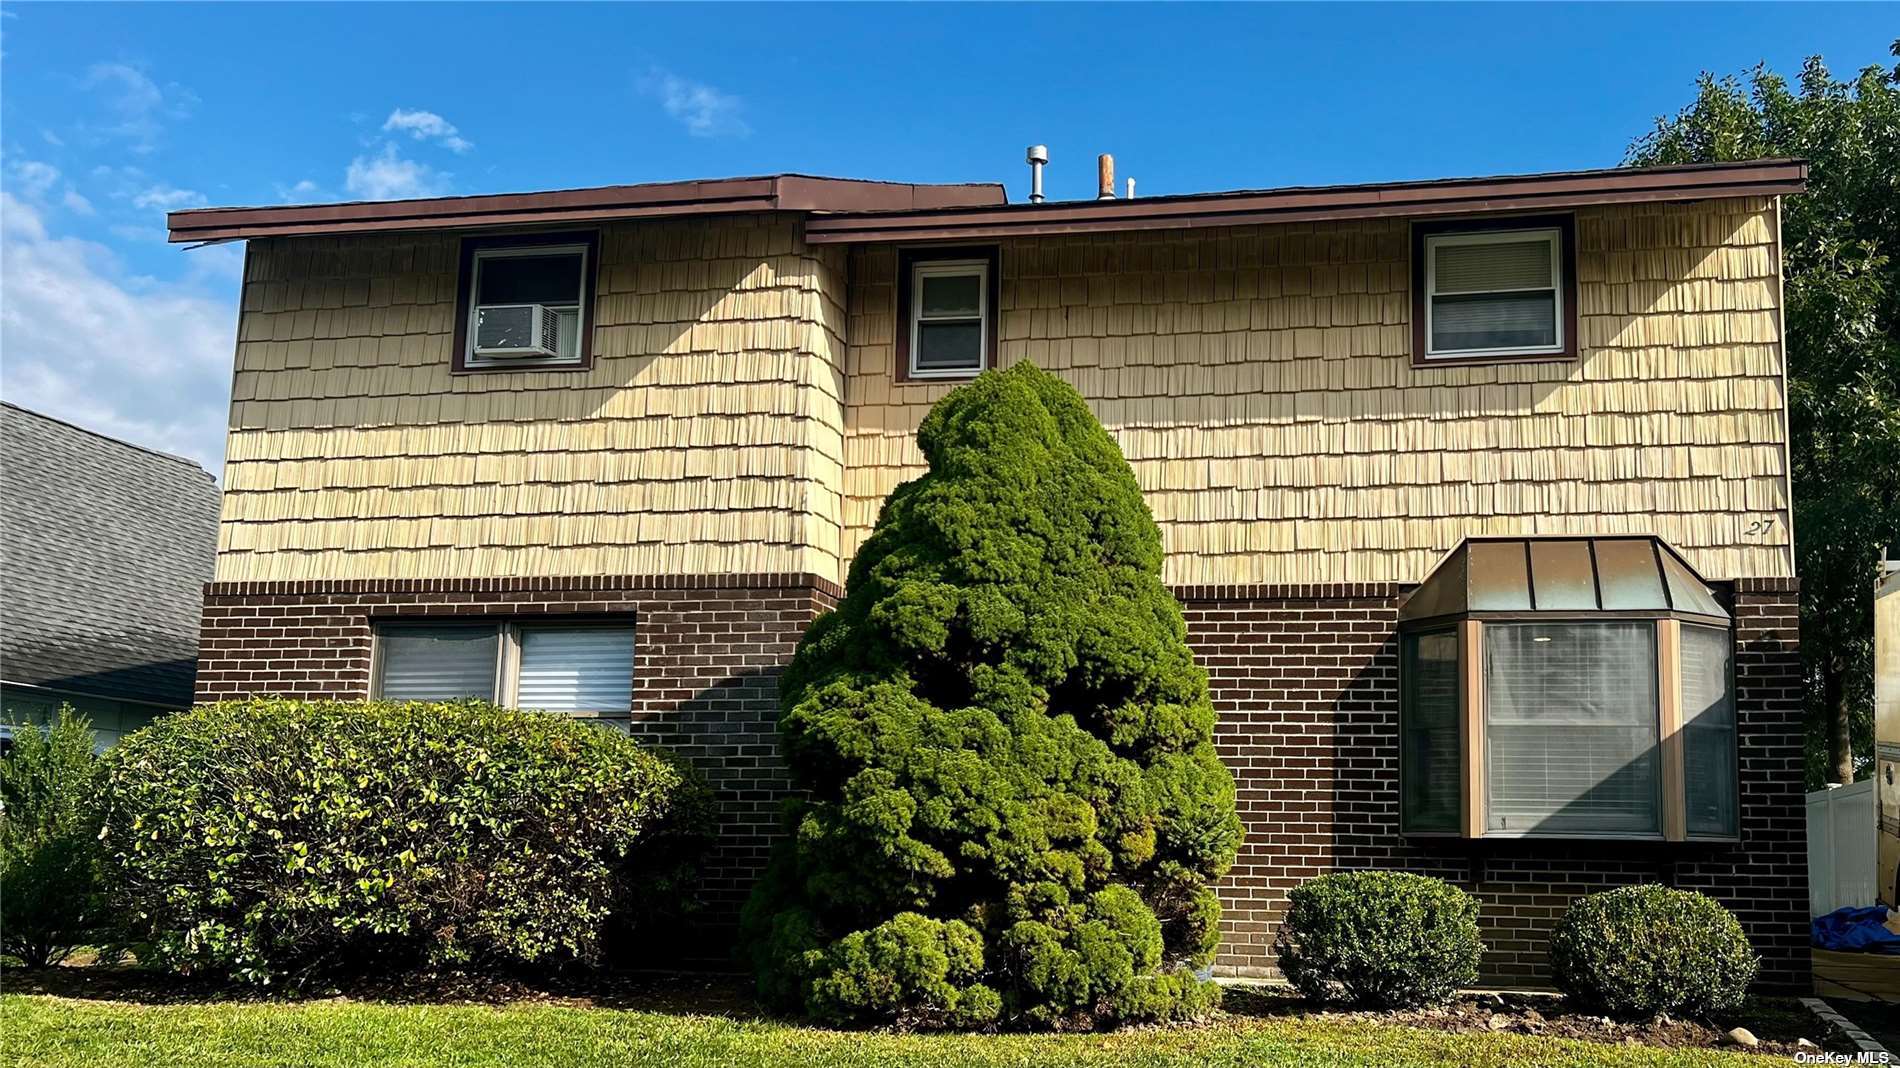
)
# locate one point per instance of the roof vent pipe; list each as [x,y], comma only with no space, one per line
[1131,189]
[1105,168]
[1038,156]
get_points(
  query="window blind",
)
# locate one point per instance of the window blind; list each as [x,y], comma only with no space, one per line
[1571,728]
[1708,718]
[1429,768]
[576,669]
[1493,265]
[438,663]
[1491,293]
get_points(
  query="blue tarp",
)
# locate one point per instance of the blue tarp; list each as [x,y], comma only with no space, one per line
[1856,930]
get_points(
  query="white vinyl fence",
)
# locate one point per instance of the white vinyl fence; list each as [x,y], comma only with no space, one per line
[1841,847]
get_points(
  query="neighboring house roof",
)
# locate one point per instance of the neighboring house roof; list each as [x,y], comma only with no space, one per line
[104,554]
[851,210]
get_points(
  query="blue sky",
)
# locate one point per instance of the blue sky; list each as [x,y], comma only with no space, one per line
[110,115]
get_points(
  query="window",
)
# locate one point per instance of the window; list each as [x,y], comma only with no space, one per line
[1571,725]
[1567,687]
[578,669]
[1497,291]
[1429,765]
[524,302]
[1708,719]
[948,304]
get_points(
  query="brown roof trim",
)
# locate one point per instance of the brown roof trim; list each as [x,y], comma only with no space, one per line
[1449,196]
[779,192]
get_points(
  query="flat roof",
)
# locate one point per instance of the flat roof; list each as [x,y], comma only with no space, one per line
[849,210]
[1443,196]
[773,192]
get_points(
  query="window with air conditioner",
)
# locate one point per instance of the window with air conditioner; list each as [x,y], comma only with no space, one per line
[525,305]
[580,669]
[1495,292]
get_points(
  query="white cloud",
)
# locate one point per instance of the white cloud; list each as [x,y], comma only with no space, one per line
[163,197]
[34,178]
[427,126]
[129,356]
[35,181]
[139,107]
[304,192]
[702,109]
[390,176]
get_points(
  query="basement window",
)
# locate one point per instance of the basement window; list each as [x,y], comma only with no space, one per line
[947,300]
[1501,290]
[524,302]
[576,669]
[1567,688]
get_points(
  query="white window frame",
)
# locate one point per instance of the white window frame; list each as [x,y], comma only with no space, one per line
[471,360]
[952,269]
[507,658]
[1552,234]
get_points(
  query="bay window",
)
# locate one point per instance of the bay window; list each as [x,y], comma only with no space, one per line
[1567,687]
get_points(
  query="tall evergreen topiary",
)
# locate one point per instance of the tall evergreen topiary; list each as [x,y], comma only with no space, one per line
[1014,808]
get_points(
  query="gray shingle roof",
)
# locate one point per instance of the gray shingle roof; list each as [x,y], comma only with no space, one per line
[105,548]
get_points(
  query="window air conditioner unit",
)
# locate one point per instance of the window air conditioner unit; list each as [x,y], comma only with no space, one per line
[517,330]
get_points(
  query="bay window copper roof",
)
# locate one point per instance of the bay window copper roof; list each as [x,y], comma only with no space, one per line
[1562,576]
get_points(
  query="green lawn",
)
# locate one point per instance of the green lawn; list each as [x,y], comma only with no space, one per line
[39,1031]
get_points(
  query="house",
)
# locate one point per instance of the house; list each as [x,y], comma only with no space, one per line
[104,555]
[1475,492]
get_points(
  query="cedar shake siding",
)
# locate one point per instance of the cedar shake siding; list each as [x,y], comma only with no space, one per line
[705,438]
[1260,381]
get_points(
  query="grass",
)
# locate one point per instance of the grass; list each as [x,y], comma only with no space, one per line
[42,1031]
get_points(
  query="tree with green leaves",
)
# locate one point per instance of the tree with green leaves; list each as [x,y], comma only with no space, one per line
[1013,808]
[1841,251]
[50,899]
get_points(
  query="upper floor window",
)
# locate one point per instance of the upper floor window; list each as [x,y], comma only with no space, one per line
[574,668]
[525,301]
[947,301]
[1494,290]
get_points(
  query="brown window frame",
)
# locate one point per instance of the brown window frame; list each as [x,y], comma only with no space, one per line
[908,259]
[464,293]
[1566,227]
[1672,728]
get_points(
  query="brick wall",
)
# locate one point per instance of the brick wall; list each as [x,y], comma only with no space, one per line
[1306,682]
[707,654]
[1305,679]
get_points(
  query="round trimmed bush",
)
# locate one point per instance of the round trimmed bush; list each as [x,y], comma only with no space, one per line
[275,839]
[1382,939]
[1638,951]
[1012,808]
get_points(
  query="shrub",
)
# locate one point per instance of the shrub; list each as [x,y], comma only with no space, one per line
[1013,808]
[275,839]
[1638,951]
[1383,939]
[49,842]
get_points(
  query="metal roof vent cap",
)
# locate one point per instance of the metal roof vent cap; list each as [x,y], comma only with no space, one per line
[1038,156]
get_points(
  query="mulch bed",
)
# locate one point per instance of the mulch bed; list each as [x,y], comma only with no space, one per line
[1778,1023]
